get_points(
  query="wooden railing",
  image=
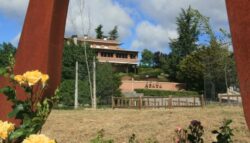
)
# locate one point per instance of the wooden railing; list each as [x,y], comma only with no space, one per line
[157,102]
[230,99]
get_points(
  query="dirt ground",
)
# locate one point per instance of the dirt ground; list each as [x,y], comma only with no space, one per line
[80,126]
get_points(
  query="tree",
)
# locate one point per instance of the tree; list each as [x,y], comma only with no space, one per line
[147,58]
[205,69]
[99,32]
[113,34]
[108,82]
[188,32]
[6,50]
[66,92]
[73,53]
[159,57]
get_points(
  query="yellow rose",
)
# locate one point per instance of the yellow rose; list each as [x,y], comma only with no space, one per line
[32,77]
[38,139]
[45,78]
[19,79]
[5,129]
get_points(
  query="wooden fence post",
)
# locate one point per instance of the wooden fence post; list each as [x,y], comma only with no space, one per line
[220,99]
[170,102]
[113,103]
[194,101]
[202,100]
[140,102]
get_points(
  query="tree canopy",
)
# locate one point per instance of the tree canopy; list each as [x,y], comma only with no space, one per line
[99,32]
[6,51]
[188,32]
[113,34]
[147,58]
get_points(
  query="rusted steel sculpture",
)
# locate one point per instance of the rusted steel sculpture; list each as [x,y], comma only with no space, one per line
[41,45]
[239,20]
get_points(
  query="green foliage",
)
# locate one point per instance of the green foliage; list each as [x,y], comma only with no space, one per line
[73,53]
[192,71]
[7,51]
[150,92]
[113,34]
[108,82]
[151,140]
[188,32]
[32,112]
[159,59]
[67,91]
[147,58]
[149,72]
[213,66]
[132,139]
[195,132]
[225,133]
[181,135]
[100,138]
[99,32]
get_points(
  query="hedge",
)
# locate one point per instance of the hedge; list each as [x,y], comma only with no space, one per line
[151,92]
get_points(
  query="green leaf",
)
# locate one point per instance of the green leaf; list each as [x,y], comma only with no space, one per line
[9,93]
[18,133]
[16,110]
[3,71]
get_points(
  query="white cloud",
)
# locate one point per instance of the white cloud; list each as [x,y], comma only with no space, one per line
[107,13]
[14,8]
[166,11]
[98,12]
[153,37]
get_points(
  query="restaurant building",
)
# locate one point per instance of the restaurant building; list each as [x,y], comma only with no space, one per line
[109,51]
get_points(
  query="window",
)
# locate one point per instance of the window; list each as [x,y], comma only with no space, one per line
[132,56]
[121,55]
[106,54]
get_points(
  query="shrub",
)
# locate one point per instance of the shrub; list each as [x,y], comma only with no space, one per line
[225,133]
[100,138]
[195,132]
[181,135]
[150,92]
[150,72]
[132,139]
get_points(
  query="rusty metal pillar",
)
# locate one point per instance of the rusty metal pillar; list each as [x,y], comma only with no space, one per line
[239,20]
[40,46]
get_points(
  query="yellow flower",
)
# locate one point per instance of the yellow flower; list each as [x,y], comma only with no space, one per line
[19,79]
[5,129]
[45,78]
[32,77]
[38,139]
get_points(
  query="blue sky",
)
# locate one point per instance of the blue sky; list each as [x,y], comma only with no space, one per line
[141,24]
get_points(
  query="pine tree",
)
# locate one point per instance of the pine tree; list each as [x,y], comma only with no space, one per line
[188,31]
[113,34]
[99,32]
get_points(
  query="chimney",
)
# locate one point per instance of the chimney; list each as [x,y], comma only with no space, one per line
[105,38]
[85,36]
